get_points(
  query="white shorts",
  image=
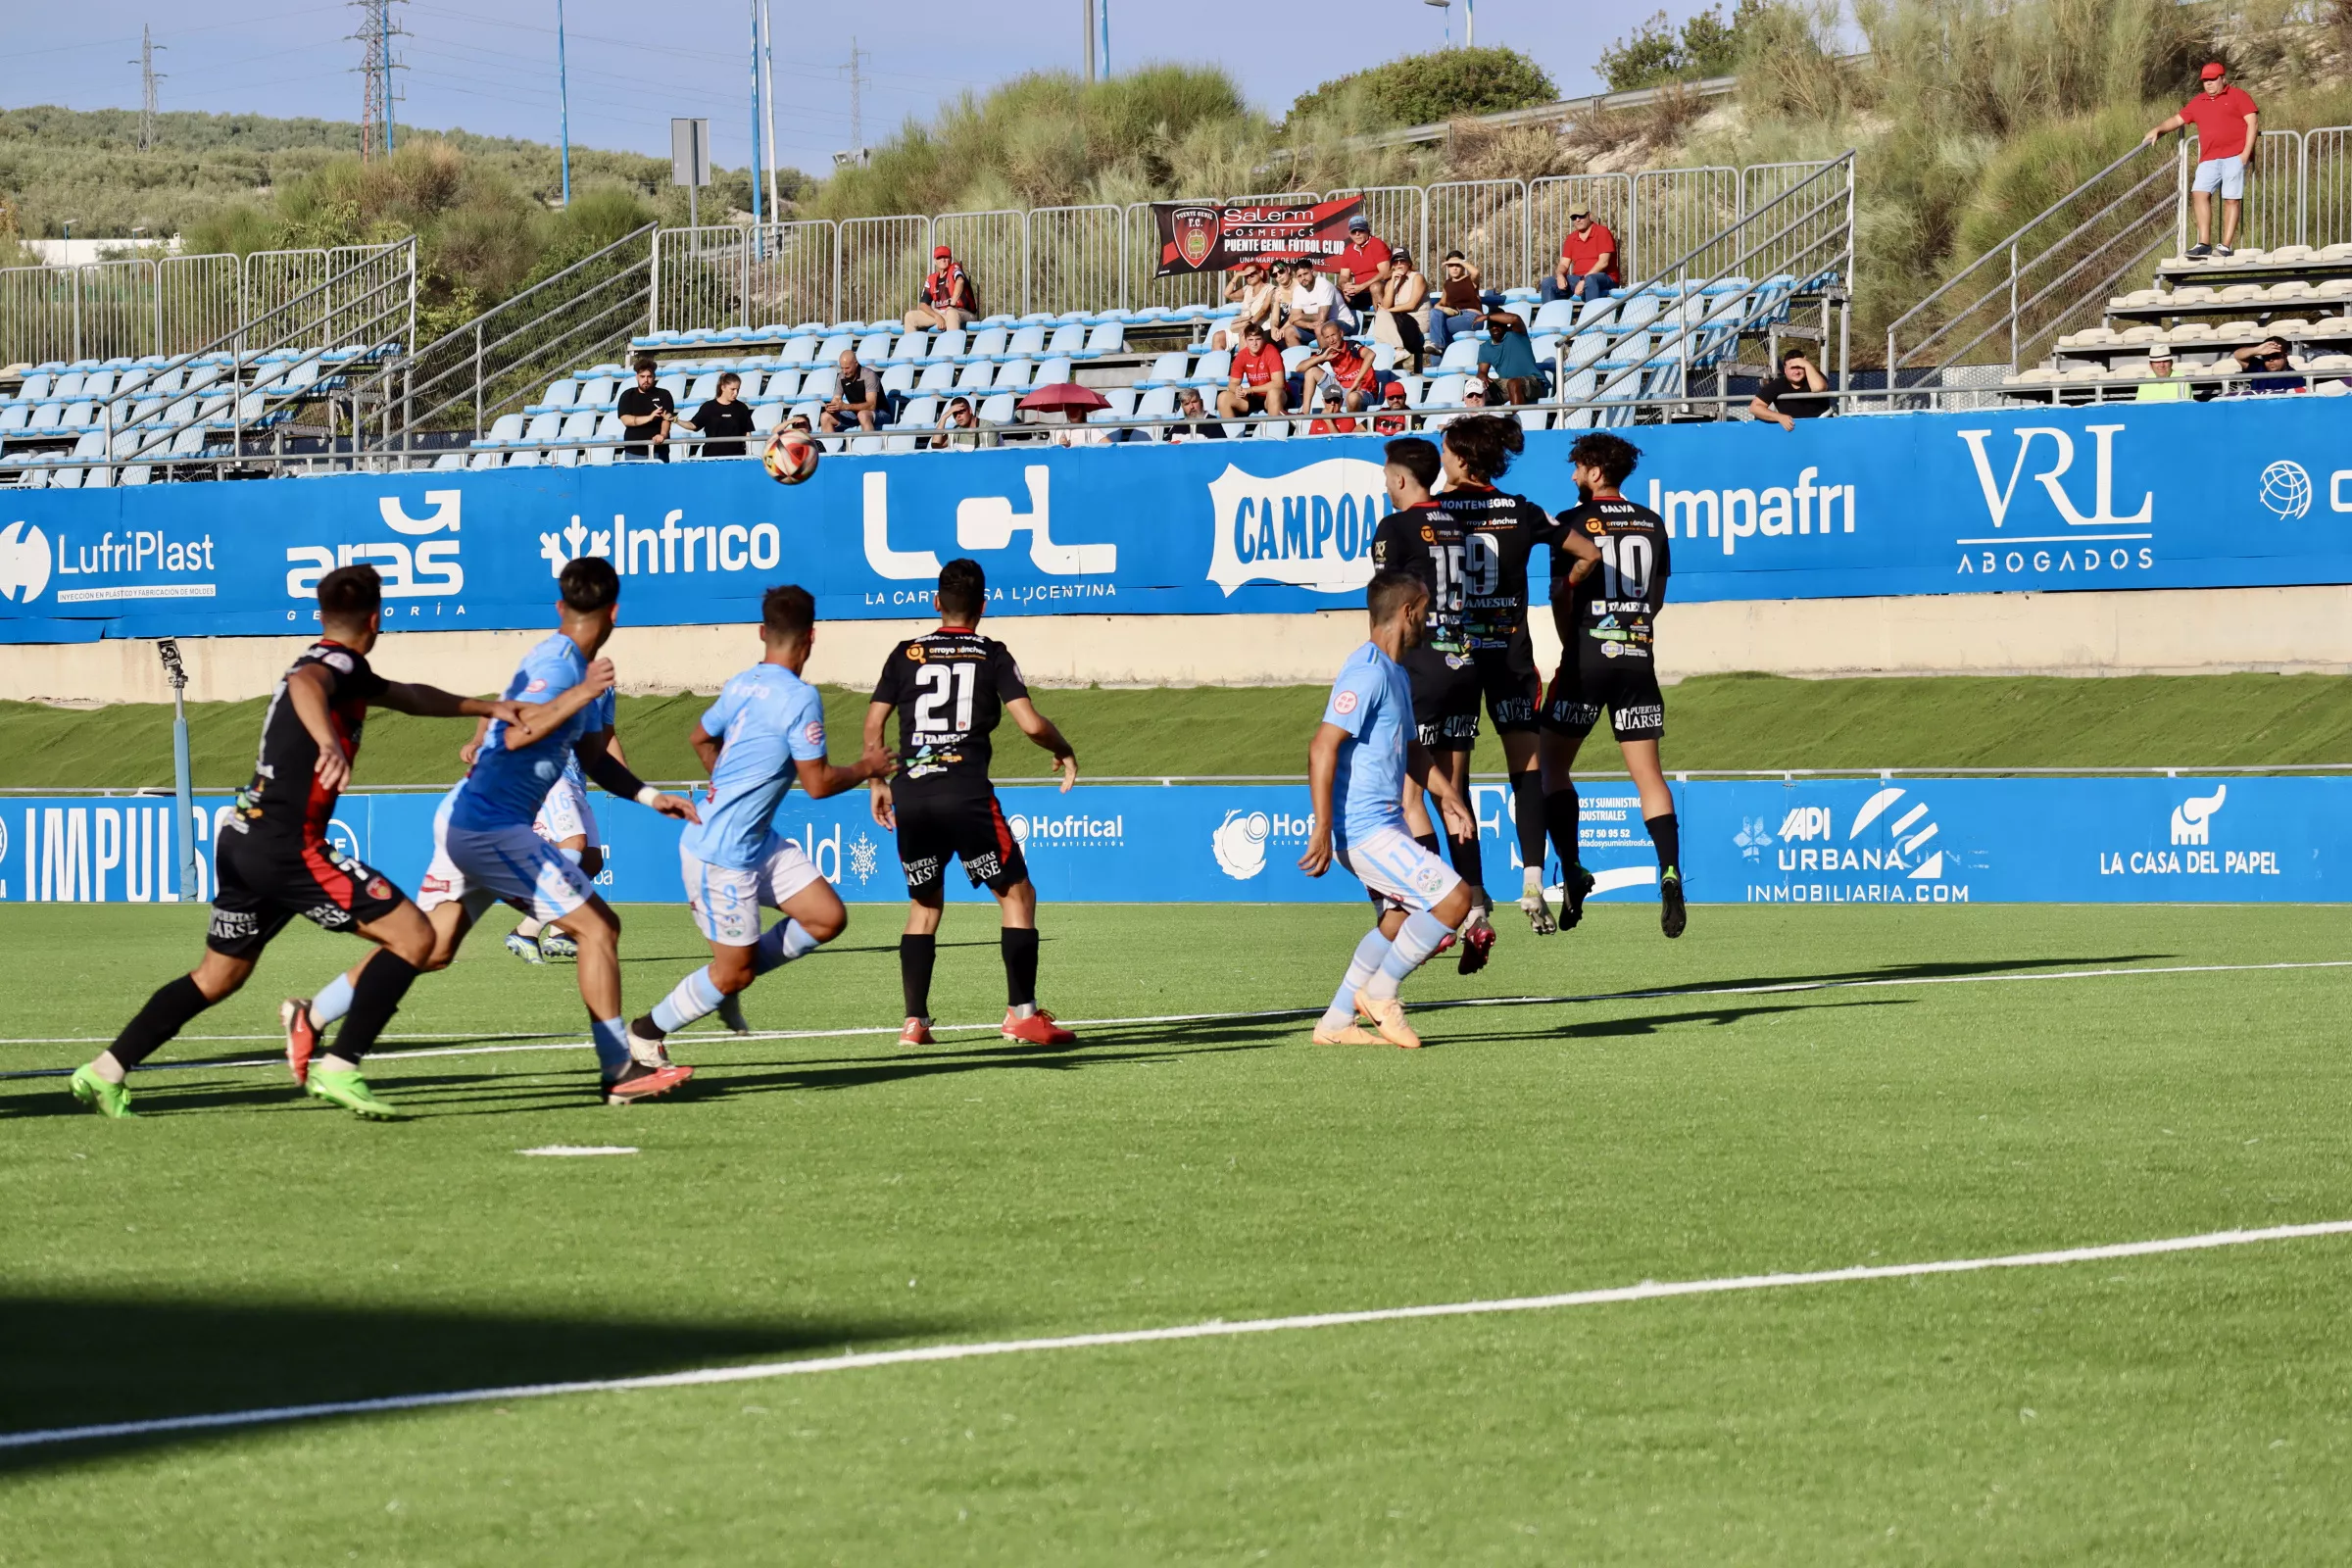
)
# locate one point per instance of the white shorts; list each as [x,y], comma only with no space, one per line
[2224,175]
[726,899]
[565,814]
[1392,865]
[480,866]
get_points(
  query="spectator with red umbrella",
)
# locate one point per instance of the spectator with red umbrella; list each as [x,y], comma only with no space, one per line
[1075,402]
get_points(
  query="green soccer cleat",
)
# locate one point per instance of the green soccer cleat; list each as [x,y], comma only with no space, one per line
[350,1091]
[107,1099]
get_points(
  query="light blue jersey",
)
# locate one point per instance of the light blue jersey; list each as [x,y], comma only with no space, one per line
[768,719]
[1372,699]
[507,787]
[600,719]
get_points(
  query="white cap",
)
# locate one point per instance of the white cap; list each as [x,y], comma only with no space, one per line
[2160,350]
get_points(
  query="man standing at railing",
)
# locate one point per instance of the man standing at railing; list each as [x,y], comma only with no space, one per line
[645,411]
[2228,128]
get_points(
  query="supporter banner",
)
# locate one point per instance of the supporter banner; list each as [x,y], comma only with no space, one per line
[1906,841]
[1210,237]
[2250,493]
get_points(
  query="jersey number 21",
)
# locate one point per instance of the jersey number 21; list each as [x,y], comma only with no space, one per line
[941,684]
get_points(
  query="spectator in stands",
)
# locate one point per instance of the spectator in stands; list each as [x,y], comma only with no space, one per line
[2267,368]
[1333,419]
[1364,268]
[1251,287]
[1793,395]
[1077,432]
[946,298]
[1348,369]
[721,417]
[1257,381]
[859,400]
[1587,266]
[1396,415]
[2228,126]
[2167,388]
[1507,358]
[1313,301]
[1474,402]
[1457,309]
[1396,308]
[647,410]
[1189,405]
[960,429]
[798,422]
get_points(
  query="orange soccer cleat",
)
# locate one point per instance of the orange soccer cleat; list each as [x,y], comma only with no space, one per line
[301,1037]
[1038,1029]
[1387,1016]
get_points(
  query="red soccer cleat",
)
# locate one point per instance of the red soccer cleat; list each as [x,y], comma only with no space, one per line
[916,1032]
[1477,943]
[640,1082]
[301,1037]
[1038,1029]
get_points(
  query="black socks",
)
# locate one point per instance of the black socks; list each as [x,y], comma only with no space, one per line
[166,1012]
[1561,811]
[1530,814]
[1469,860]
[1020,947]
[382,982]
[915,957]
[1667,834]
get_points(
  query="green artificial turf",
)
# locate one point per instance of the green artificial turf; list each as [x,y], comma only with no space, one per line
[238,1246]
[1716,721]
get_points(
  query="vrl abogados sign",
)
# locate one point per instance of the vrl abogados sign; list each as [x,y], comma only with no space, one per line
[2252,493]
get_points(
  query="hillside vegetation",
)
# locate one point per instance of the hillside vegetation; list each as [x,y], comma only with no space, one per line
[1722,721]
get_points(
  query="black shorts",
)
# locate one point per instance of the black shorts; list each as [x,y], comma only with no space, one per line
[1627,687]
[968,825]
[262,882]
[1514,690]
[1444,698]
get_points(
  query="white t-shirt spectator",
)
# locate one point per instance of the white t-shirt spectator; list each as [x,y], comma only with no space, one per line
[1318,294]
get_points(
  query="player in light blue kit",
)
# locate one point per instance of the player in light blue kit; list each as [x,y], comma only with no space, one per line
[766,729]
[485,848]
[1360,756]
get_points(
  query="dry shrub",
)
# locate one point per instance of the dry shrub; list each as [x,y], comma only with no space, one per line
[1506,152]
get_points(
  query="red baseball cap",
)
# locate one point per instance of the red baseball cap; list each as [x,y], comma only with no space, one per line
[2213,70]
[943,251]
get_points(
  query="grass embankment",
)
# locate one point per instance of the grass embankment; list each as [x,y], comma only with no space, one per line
[1724,721]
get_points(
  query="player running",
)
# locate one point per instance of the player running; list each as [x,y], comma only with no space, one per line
[1357,765]
[274,862]
[1421,537]
[1499,531]
[950,688]
[484,851]
[566,820]
[1608,582]
[766,729]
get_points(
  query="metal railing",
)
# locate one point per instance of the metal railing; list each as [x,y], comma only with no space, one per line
[145,307]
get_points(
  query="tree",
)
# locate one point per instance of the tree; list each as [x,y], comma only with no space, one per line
[1448,85]
[1707,46]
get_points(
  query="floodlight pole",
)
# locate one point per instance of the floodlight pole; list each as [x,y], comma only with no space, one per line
[759,209]
[176,674]
[563,102]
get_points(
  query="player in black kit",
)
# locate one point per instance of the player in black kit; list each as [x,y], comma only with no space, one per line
[1499,531]
[1422,538]
[949,687]
[274,862]
[1608,581]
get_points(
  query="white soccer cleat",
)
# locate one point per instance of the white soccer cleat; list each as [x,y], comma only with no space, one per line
[1533,906]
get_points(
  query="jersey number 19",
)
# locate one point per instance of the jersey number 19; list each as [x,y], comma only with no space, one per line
[941,684]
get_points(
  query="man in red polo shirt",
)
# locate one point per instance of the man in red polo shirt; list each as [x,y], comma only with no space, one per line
[1587,266]
[2228,128]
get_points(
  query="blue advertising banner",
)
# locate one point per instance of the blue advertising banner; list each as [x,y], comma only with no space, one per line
[2248,493]
[1836,841]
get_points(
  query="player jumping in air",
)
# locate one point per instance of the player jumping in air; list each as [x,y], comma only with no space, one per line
[485,853]
[949,687]
[1357,765]
[1608,582]
[766,729]
[1423,538]
[274,862]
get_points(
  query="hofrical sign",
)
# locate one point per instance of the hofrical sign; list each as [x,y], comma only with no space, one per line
[1213,236]
[1890,841]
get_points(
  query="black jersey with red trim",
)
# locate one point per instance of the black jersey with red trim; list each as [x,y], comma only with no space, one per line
[1499,531]
[285,796]
[949,687]
[1427,541]
[1619,599]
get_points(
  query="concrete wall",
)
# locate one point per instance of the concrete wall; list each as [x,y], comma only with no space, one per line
[2285,629]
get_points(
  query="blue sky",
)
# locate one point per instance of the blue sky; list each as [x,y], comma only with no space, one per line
[489,64]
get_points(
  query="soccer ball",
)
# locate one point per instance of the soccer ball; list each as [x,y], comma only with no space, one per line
[790,457]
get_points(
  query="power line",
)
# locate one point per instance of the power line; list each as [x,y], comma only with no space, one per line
[377,31]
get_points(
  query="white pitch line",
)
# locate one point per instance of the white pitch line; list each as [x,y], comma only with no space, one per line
[1213,1328]
[1772,988]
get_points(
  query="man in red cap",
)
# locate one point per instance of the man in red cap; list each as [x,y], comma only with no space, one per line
[946,298]
[2229,129]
